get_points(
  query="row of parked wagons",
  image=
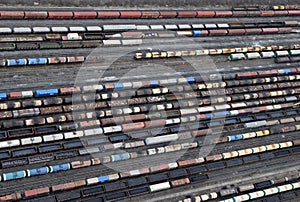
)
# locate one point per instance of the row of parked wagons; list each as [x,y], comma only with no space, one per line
[110,86]
[41,61]
[269,54]
[267,51]
[144,27]
[143,14]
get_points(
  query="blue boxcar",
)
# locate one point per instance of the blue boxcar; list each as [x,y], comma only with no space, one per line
[221,114]
[38,171]
[48,92]
[37,61]
[3,96]
[16,62]
[234,137]
[14,175]
[118,138]
[287,71]
[191,80]
[60,167]
[197,33]
[154,83]
[208,116]
[119,157]
[102,179]
[118,86]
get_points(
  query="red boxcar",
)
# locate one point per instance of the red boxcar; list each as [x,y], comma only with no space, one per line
[186,14]
[253,13]
[108,14]
[168,14]
[221,14]
[253,31]
[59,14]
[206,14]
[281,13]
[82,14]
[294,12]
[131,14]
[236,31]
[150,14]
[36,14]
[267,13]
[239,13]
[15,95]
[218,32]
[284,30]
[270,30]
[12,14]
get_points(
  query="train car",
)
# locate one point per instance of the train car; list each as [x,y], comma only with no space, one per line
[161,139]
[223,14]
[3,96]
[269,54]
[40,29]
[168,14]
[16,62]
[186,14]
[26,46]
[37,61]
[254,55]
[53,36]
[291,23]
[37,171]
[295,59]
[294,52]
[59,29]
[60,14]
[5,30]
[84,14]
[119,157]
[255,124]
[36,14]
[121,27]
[22,30]
[282,59]
[31,140]
[130,14]
[150,14]
[50,45]
[108,14]
[47,92]
[13,175]
[12,14]
[7,46]
[206,14]
[281,53]
[159,186]
[71,44]
[60,167]
[228,191]
[237,56]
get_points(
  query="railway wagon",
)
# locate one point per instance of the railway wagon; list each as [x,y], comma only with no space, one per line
[160,186]
[237,56]
[37,61]
[16,62]
[161,139]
